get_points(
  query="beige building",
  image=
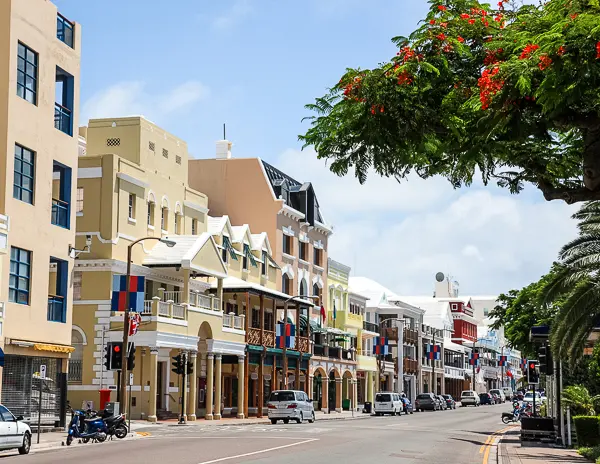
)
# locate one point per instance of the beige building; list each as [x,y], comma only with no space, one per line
[39,100]
[132,183]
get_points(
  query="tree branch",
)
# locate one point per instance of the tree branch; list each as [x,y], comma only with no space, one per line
[569,196]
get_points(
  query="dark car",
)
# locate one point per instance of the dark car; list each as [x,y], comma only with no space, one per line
[450,401]
[408,407]
[426,401]
[442,401]
[486,398]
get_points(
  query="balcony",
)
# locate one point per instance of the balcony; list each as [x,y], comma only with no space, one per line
[62,119]
[60,213]
[410,366]
[4,225]
[334,352]
[167,309]
[232,321]
[411,337]
[318,350]
[64,30]
[197,300]
[369,326]
[253,337]
[56,309]
[391,333]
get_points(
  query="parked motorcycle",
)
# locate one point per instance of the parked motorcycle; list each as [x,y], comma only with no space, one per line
[116,425]
[85,428]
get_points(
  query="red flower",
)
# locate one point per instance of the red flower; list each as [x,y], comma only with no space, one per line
[442,8]
[561,50]
[528,50]
[432,21]
[489,85]
[441,36]
[444,25]
[465,16]
[545,62]
[498,18]
[486,24]
[471,21]
[460,39]
[404,78]
[574,15]
[598,50]
[447,48]
[381,109]
[373,110]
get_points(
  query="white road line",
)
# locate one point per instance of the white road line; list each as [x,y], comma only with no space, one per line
[259,452]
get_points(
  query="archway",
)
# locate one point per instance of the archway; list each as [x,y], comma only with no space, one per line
[334,390]
[319,387]
[78,341]
[348,391]
[200,375]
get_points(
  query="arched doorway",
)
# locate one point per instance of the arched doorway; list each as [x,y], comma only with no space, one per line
[76,360]
[204,334]
[334,390]
[319,388]
[348,394]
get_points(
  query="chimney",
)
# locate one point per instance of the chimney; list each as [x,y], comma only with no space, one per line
[224,149]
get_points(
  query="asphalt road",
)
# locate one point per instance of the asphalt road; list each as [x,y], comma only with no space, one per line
[445,437]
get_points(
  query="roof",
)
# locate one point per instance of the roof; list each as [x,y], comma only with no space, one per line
[235,283]
[377,293]
[258,241]
[450,345]
[436,312]
[241,232]
[215,225]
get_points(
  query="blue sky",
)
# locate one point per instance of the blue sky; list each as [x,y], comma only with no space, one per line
[254,64]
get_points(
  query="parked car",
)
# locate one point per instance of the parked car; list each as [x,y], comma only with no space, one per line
[508,393]
[388,403]
[14,432]
[495,398]
[408,407]
[486,398]
[450,401]
[528,398]
[442,402]
[426,401]
[469,397]
[290,404]
[499,393]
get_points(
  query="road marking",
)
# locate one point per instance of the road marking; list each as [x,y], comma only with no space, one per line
[490,441]
[253,453]
[144,434]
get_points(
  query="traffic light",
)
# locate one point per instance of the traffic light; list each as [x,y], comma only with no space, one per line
[107,357]
[190,368]
[116,353]
[177,364]
[546,364]
[533,372]
[131,357]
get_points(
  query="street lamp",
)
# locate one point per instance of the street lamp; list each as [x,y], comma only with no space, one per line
[125,351]
[382,357]
[285,319]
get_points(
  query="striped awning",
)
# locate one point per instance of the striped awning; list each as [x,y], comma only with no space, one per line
[53,348]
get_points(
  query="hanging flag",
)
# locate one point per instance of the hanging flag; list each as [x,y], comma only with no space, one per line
[509,373]
[323,314]
[474,359]
[381,346]
[469,304]
[136,293]
[523,365]
[434,352]
[502,361]
[290,336]
[135,319]
[334,311]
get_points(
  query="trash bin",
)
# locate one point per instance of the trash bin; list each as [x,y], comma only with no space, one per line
[368,407]
[346,404]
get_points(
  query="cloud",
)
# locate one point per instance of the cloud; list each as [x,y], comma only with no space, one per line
[402,234]
[131,98]
[236,13]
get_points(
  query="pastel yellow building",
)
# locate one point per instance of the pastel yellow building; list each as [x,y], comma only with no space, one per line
[132,183]
[39,98]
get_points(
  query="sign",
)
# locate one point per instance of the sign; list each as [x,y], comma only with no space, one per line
[131,378]
[43,372]
[136,293]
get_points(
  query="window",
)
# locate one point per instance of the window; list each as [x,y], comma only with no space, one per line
[303,288]
[64,98]
[64,30]
[165,152]
[245,260]
[177,159]
[151,146]
[6,415]
[20,274]
[316,290]
[317,253]
[131,206]
[486,312]
[303,251]
[264,266]
[454,306]
[176,223]
[77,279]
[224,251]
[79,204]
[286,284]
[164,218]
[27,73]
[61,195]
[57,290]
[287,244]
[194,226]
[151,213]
[24,174]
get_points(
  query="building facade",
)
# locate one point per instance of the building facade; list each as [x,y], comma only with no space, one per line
[40,68]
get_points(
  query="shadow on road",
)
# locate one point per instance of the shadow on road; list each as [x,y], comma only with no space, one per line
[474,442]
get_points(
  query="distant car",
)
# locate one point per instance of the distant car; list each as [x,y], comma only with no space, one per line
[496,398]
[499,393]
[290,404]
[528,398]
[388,403]
[426,401]
[408,407]
[519,396]
[508,393]
[486,398]
[442,402]
[469,397]
[14,432]
[450,401]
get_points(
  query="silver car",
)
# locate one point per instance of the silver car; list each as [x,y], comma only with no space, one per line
[290,404]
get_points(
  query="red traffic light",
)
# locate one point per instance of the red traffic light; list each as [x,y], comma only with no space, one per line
[531,366]
[116,348]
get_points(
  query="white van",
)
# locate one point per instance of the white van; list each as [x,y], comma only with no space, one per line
[508,393]
[388,403]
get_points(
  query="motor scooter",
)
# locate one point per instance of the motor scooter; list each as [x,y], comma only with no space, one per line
[86,429]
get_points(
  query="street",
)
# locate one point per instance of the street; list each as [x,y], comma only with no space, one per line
[444,437]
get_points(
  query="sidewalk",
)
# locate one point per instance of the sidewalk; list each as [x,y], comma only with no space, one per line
[510,451]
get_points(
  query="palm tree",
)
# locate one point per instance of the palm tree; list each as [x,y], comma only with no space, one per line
[575,288]
[578,398]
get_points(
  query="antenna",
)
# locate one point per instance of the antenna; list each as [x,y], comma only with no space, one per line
[224,134]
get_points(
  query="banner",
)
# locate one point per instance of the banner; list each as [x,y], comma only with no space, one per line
[290,336]
[135,319]
[434,352]
[381,346]
[136,293]
[502,361]
[474,359]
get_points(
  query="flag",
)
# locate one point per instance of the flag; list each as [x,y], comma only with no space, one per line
[135,319]
[502,361]
[434,352]
[290,335]
[509,373]
[474,359]
[381,346]
[323,314]
[136,293]
[523,364]
[469,304]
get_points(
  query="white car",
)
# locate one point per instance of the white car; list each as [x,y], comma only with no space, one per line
[290,404]
[539,399]
[388,403]
[14,432]
[469,397]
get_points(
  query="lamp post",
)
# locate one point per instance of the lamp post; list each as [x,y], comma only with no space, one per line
[285,319]
[125,351]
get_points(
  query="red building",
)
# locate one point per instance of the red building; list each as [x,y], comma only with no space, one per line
[465,326]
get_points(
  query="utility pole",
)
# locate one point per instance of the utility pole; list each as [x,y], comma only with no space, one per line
[433,382]
[123,396]
[503,362]
[183,386]
[284,337]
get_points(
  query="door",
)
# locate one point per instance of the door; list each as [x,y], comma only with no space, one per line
[9,429]
[305,405]
[159,384]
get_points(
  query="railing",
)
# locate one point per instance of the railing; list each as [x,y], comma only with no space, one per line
[234,322]
[174,296]
[163,308]
[75,371]
[368,353]
[56,306]
[203,301]
[410,365]
[391,333]
[62,119]
[178,311]
[60,213]
[147,307]
[411,336]
[253,338]
[370,327]
[318,350]
[335,352]
[64,30]
[347,354]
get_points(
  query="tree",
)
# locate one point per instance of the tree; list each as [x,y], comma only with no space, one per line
[576,284]
[510,93]
[578,398]
[519,310]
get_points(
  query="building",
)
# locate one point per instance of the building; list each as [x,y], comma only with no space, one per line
[132,184]
[40,67]
[366,362]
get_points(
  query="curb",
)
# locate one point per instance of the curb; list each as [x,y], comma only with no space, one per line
[501,453]
[61,444]
[325,417]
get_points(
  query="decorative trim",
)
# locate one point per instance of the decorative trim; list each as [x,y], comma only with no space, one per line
[318,244]
[318,268]
[79,214]
[317,279]
[131,220]
[162,202]
[195,206]
[132,180]
[233,331]
[89,173]
[323,228]
[150,227]
[81,332]
[288,270]
[292,213]
[288,231]
[91,302]
[290,257]
[178,207]
[219,347]
[303,237]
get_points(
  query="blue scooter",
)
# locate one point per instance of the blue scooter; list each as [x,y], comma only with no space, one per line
[87,429]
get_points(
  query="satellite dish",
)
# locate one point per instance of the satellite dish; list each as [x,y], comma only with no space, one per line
[440,277]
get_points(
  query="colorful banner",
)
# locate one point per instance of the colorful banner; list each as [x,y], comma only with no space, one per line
[474,359]
[136,293]
[502,361]
[381,346]
[290,336]
[523,365]
[434,352]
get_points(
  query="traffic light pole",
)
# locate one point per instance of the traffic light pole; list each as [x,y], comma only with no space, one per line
[123,389]
[183,387]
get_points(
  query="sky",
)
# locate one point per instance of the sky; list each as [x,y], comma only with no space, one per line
[192,65]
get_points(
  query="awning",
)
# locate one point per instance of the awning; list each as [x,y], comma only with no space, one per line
[52,348]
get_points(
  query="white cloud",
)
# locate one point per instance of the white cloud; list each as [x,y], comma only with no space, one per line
[131,98]
[238,11]
[402,234]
